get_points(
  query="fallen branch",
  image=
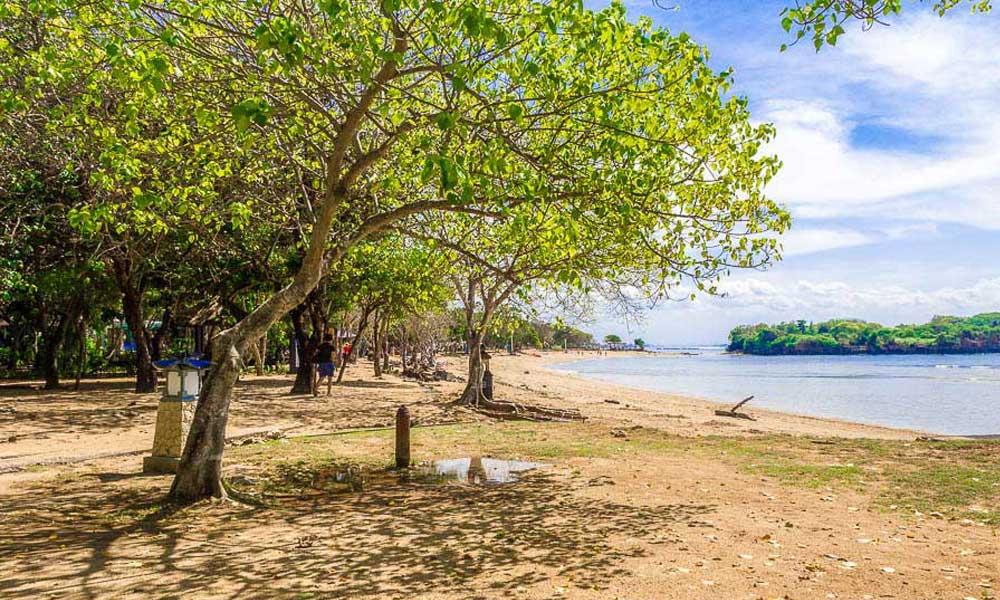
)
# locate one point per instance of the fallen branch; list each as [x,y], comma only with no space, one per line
[734,411]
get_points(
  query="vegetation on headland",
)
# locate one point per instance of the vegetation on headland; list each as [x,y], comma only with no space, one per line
[943,334]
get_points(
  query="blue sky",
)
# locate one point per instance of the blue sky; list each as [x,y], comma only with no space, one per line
[891,151]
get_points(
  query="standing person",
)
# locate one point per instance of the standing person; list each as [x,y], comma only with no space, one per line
[324,364]
[347,352]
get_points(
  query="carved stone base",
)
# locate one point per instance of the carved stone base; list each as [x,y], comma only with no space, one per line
[160,465]
[173,421]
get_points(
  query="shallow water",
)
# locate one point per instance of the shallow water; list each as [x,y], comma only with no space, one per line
[947,394]
[479,470]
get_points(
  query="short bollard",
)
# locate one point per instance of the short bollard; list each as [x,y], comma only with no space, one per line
[402,438]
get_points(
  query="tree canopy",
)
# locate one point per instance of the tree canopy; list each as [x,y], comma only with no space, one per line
[262,146]
[824,21]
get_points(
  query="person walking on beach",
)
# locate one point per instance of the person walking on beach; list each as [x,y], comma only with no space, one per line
[324,364]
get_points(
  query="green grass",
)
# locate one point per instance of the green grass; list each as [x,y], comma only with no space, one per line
[958,478]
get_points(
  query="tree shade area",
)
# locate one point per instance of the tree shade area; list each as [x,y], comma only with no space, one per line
[250,176]
[943,334]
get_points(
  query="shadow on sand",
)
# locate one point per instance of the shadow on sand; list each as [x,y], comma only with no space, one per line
[393,540]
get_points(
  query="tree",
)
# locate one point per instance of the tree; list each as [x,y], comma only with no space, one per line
[823,20]
[388,278]
[612,338]
[641,343]
[402,108]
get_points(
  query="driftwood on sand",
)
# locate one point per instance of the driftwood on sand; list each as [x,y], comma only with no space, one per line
[734,411]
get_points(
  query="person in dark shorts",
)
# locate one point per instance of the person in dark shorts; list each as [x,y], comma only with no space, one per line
[324,364]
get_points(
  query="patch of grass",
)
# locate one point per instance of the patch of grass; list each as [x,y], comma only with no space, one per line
[955,490]
[813,476]
[958,478]
[954,477]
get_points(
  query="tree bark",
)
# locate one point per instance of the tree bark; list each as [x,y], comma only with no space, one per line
[385,346]
[145,374]
[305,375]
[81,351]
[472,393]
[258,359]
[156,343]
[132,290]
[47,362]
[304,372]
[199,474]
[377,346]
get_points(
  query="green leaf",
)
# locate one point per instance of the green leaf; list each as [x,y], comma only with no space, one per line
[445,120]
[515,112]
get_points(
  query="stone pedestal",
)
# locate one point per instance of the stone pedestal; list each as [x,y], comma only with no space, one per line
[173,421]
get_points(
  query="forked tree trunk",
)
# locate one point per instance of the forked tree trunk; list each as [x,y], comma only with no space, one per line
[473,392]
[199,473]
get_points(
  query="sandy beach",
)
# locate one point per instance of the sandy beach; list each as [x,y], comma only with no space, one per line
[652,496]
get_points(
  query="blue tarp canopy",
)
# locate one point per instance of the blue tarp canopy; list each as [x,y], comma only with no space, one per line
[181,363]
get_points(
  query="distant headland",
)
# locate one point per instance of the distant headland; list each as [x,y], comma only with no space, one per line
[942,335]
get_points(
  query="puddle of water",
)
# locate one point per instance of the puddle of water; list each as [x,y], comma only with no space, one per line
[477,470]
[341,479]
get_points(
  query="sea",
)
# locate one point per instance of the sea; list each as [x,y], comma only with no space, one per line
[947,394]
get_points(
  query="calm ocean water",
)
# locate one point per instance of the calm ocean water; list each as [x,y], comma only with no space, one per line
[947,394]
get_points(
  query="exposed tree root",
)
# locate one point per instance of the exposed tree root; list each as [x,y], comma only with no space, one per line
[511,411]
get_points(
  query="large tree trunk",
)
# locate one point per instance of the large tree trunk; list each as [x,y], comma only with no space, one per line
[199,474]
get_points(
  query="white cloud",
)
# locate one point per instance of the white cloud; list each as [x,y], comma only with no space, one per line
[824,176]
[823,299]
[908,230]
[929,76]
[947,57]
[801,241]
